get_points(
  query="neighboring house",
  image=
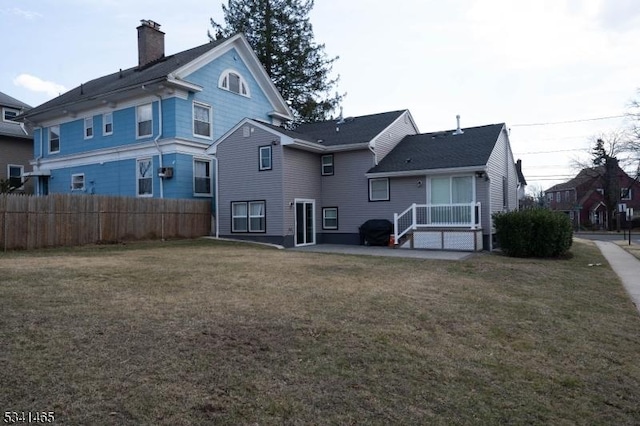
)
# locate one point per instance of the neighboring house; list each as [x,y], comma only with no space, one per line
[319,183]
[143,131]
[582,198]
[16,144]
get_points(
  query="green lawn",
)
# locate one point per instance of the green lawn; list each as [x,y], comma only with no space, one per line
[205,332]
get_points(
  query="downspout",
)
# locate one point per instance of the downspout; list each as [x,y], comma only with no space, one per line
[155,140]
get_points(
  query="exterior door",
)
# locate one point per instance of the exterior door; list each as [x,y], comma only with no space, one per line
[305,223]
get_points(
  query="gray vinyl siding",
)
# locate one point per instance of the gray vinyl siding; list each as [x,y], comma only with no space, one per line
[388,139]
[17,152]
[301,177]
[348,189]
[239,179]
[501,164]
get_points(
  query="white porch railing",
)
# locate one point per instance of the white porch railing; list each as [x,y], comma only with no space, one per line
[465,215]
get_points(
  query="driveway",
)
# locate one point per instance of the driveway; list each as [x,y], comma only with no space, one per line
[384,251]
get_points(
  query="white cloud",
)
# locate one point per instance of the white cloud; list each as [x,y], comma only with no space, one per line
[27,14]
[36,84]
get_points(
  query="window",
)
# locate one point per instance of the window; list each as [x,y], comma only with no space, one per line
[248,216]
[107,124]
[379,189]
[452,190]
[327,165]
[144,120]
[330,218]
[558,197]
[88,127]
[54,139]
[15,174]
[233,82]
[8,114]
[201,120]
[550,196]
[567,195]
[77,182]
[265,157]
[201,177]
[144,177]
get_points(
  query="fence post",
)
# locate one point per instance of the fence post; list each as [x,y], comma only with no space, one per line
[414,217]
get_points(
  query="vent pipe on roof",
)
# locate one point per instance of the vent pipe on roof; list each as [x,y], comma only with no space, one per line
[458,129]
[150,42]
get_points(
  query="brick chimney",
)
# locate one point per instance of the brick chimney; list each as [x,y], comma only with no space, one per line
[150,42]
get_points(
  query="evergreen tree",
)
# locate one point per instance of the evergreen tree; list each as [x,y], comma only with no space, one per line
[280,33]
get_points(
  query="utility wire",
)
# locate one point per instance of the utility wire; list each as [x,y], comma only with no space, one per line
[568,121]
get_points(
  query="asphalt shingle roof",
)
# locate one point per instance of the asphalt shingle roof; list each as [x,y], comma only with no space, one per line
[440,150]
[351,130]
[130,77]
[9,101]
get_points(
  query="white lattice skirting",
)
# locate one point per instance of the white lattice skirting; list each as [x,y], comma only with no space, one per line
[462,240]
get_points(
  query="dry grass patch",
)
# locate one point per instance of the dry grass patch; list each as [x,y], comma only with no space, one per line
[204,332]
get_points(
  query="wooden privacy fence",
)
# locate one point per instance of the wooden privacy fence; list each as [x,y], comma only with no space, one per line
[28,221]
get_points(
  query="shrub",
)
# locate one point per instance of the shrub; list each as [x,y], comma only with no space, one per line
[533,233]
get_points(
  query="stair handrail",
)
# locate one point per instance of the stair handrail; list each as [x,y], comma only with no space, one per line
[396,217]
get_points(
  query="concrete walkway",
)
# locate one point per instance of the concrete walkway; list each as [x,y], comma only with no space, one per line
[626,266]
[384,251]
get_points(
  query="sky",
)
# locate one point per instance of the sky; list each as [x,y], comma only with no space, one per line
[557,72]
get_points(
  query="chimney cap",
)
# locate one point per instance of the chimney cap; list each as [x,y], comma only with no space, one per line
[150,23]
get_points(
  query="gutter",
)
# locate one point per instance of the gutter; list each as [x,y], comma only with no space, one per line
[155,140]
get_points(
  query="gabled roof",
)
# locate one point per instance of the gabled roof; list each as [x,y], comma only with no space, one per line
[169,70]
[351,130]
[442,150]
[585,175]
[13,129]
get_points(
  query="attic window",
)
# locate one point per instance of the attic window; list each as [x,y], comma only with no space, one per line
[232,81]
[8,114]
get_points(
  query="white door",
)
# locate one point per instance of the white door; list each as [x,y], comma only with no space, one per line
[305,223]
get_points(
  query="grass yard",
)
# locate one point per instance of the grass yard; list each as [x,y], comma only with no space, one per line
[206,332]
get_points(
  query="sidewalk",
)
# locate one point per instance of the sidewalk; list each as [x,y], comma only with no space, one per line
[625,266]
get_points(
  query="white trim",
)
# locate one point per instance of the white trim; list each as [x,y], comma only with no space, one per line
[260,167]
[104,123]
[73,176]
[92,127]
[138,135]
[388,196]
[333,228]
[263,216]
[210,162]
[138,177]
[242,83]
[208,107]
[5,109]
[295,220]
[59,139]
[22,175]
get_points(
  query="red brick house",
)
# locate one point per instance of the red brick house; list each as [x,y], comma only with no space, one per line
[582,197]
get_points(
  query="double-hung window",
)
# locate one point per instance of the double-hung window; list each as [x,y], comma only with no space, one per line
[77,182]
[202,177]
[144,177]
[327,165]
[107,124]
[15,174]
[330,218]
[201,120]
[265,157]
[248,216]
[379,189]
[54,139]
[144,121]
[88,127]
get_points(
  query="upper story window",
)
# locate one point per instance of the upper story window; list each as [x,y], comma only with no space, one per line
[626,194]
[144,120]
[107,124]
[558,196]
[201,120]
[88,127]
[15,174]
[77,182]
[379,189]
[233,82]
[54,139]
[567,195]
[8,114]
[265,157]
[327,165]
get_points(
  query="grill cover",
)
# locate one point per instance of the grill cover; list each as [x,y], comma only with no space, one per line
[376,232]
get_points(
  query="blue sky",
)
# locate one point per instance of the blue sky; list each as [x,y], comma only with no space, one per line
[491,61]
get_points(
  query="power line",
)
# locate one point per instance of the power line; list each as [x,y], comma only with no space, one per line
[551,152]
[568,121]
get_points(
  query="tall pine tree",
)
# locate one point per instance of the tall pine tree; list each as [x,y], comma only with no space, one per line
[280,33]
